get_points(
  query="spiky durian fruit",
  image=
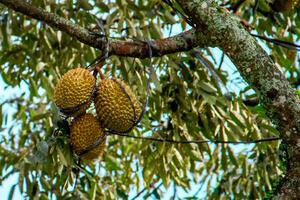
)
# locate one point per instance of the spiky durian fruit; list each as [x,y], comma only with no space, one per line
[85,130]
[117,107]
[73,93]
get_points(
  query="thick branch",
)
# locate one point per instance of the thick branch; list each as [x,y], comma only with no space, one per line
[258,69]
[182,42]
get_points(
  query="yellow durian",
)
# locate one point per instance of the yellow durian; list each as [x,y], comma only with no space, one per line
[85,130]
[117,107]
[74,91]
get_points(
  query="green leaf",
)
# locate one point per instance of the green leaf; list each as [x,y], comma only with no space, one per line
[122,194]
[208,98]
[84,4]
[43,196]
[169,18]
[112,163]
[45,184]
[178,158]
[232,157]
[46,83]
[224,158]
[207,87]
[11,192]
[260,110]
[37,117]
[5,36]
[93,190]
[65,155]
[148,174]
[264,5]
[164,172]
[237,119]
[102,6]
[155,31]
[195,155]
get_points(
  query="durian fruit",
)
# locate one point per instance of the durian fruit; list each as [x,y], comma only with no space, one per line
[117,107]
[73,93]
[85,130]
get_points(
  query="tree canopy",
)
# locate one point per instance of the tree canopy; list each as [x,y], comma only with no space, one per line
[229,135]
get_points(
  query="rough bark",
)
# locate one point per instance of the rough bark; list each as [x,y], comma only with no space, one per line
[225,31]
[182,42]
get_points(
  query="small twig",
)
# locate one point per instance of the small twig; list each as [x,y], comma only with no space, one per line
[199,141]
[282,43]
[7,175]
[148,195]
[221,61]
[199,189]
[141,192]
[138,194]
[174,192]
[77,174]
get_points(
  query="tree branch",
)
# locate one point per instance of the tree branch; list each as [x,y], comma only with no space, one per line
[182,42]
[258,69]
[53,20]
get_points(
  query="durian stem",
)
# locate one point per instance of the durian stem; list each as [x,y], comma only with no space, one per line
[102,76]
[97,70]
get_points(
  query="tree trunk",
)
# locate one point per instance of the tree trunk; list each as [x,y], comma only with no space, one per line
[258,69]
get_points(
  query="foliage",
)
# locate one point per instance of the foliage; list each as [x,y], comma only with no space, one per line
[186,102]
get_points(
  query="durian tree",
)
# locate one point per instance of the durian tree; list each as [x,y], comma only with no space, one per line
[222,118]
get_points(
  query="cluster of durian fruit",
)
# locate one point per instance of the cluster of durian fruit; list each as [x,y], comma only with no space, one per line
[117,109]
